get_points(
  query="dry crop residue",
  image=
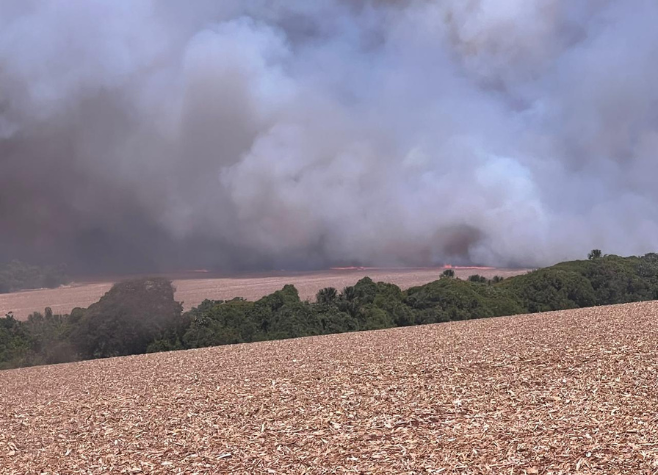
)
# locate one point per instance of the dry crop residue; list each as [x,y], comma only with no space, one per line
[564,392]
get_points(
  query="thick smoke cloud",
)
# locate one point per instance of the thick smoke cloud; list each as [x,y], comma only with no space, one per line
[257,134]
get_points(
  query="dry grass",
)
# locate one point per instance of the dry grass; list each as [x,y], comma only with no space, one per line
[192,291]
[565,392]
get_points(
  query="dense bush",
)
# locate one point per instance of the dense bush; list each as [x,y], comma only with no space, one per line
[453,299]
[141,315]
[552,289]
[15,343]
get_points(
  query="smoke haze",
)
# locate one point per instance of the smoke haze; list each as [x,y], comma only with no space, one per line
[162,134]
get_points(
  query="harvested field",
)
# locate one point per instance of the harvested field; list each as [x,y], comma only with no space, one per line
[193,289]
[556,393]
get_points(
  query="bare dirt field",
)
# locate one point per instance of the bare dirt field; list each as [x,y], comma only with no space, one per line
[192,289]
[571,392]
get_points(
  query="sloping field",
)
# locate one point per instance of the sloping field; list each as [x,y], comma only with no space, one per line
[192,290]
[565,392]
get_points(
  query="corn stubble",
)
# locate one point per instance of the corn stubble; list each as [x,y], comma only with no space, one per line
[556,393]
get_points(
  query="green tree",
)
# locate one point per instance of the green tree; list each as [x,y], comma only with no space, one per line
[221,324]
[594,254]
[15,343]
[327,296]
[127,319]
[552,288]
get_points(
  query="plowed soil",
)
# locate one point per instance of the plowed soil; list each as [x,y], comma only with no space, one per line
[194,289]
[573,392]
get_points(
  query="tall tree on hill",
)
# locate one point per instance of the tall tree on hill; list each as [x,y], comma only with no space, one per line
[594,254]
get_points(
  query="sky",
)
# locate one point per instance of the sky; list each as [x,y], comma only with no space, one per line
[237,135]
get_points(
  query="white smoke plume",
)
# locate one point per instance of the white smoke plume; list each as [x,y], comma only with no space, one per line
[157,134]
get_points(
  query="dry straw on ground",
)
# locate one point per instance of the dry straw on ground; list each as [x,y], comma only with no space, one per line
[565,392]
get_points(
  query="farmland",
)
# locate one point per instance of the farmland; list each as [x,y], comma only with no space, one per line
[563,392]
[193,288]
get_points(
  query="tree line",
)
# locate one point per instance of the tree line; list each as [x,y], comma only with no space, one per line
[16,275]
[140,316]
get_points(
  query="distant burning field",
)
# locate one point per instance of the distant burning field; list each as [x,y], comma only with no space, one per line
[195,286]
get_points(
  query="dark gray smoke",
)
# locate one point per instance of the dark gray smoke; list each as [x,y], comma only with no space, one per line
[256,134]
